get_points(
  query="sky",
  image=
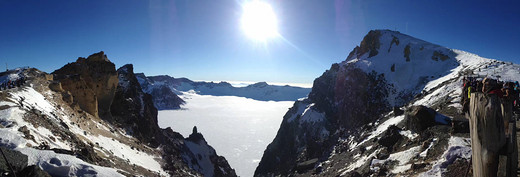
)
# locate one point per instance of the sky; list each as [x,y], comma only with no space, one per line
[203,39]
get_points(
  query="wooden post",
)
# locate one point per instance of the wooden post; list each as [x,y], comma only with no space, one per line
[487,133]
[512,147]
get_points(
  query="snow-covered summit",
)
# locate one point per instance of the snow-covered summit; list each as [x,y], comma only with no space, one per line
[364,110]
[407,63]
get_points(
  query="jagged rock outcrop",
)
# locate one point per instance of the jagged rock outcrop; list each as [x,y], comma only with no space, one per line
[206,159]
[91,81]
[133,109]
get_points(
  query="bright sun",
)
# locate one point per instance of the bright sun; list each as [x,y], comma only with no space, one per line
[259,21]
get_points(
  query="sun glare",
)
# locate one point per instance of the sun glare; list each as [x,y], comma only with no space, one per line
[259,21]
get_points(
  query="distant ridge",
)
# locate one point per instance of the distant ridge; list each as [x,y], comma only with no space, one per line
[258,91]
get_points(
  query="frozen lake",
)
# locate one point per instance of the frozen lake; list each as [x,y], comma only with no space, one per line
[238,128]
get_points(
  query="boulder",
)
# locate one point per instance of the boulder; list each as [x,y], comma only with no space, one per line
[390,137]
[418,118]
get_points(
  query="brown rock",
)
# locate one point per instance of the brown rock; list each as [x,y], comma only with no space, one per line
[407,52]
[56,86]
[92,83]
[67,97]
[48,77]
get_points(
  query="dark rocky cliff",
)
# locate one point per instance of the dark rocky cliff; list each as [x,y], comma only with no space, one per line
[133,109]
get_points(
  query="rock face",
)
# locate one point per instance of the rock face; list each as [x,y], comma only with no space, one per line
[133,109]
[91,81]
[341,122]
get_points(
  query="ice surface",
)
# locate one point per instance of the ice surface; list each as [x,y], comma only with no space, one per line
[238,128]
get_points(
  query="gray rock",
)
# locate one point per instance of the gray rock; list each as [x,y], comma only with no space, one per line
[33,171]
[17,160]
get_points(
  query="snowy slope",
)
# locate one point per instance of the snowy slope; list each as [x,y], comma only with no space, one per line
[398,71]
[17,112]
[63,140]
[12,119]
[410,72]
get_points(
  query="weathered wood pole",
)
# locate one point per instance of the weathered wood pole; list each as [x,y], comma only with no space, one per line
[512,147]
[487,133]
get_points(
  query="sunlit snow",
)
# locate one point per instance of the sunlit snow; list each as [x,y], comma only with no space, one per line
[238,128]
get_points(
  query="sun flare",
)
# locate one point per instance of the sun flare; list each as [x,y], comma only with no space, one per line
[259,21]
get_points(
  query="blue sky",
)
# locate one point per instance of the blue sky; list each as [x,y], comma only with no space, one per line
[203,40]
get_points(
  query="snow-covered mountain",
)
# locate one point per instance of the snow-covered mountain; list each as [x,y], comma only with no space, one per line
[163,96]
[386,110]
[89,119]
[258,91]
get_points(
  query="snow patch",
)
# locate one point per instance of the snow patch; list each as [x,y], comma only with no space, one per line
[203,155]
[458,147]
[381,128]
[402,158]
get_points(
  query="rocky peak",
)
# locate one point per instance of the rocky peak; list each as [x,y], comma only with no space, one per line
[92,83]
[259,84]
[196,137]
[370,44]
[100,56]
[204,159]
[133,109]
[388,69]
